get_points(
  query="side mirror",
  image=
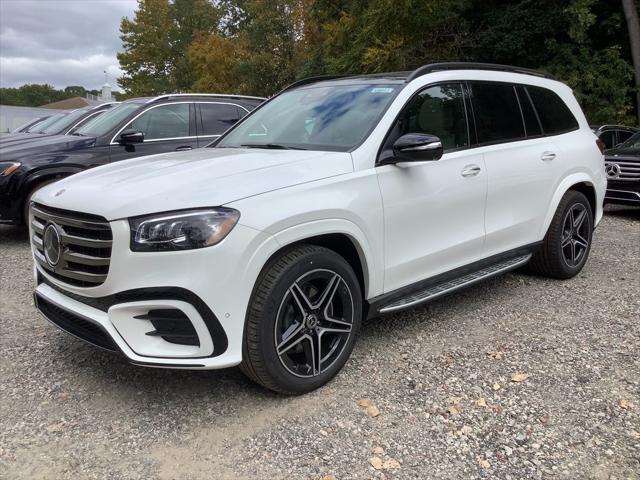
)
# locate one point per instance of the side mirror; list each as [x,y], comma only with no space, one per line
[130,136]
[417,147]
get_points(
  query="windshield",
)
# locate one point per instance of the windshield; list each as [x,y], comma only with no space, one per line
[62,124]
[632,142]
[39,127]
[328,118]
[104,123]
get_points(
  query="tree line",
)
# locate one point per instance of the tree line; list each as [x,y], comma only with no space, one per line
[35,95]
[258,46]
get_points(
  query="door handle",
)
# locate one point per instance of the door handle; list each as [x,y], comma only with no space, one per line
[184,148]
[470,171]
[547,156]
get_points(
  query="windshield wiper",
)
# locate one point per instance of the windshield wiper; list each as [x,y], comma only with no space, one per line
[271,146]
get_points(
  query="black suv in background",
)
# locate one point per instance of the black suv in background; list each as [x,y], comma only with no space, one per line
[134,128]
[612,135]
[622,166]
[60,124]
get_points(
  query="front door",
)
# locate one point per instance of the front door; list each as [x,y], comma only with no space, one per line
[433,211]
[167,128]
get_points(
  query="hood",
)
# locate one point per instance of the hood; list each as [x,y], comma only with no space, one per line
[204,177]
[14,138]
[40,144]
[622,154]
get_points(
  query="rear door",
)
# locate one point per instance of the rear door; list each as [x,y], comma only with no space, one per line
[215,118]
[520,165]
[167,128]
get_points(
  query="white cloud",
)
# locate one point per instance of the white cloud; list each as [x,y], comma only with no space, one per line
[61,42]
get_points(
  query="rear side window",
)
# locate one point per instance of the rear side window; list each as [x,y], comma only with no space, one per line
[554,114]
[531,123]
[497,113]
[608,138]
[623,136]
[217,118]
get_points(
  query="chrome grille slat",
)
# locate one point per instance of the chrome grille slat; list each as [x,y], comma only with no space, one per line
[628,170]
[85,241]
[71,222]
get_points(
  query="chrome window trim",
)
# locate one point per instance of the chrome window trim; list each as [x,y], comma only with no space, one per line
[218,95]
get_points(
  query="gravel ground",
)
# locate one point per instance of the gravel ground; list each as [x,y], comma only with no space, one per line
[520,377]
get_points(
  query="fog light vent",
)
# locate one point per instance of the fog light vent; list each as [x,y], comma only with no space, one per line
[172,325]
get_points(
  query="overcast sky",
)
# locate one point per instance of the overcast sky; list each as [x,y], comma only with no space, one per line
[61,42]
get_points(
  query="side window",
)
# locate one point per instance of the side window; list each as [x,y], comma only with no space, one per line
[218,117]
[531,123]
[437,110]
[608,138]
[497,113]
[165,121]
[554,114]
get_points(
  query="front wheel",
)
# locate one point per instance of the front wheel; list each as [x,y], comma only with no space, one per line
[302,322]
[566,245]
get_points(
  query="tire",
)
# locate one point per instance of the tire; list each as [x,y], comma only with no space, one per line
[27,201]
[563,253]
[289,315]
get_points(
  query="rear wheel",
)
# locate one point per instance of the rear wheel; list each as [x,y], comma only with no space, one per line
[566,246]
[302,321]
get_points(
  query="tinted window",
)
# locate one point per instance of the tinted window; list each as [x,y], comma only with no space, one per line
[554,115]
[608,138]
[218,117]
[166,121]
[497,113]
[438,111]
[531,124]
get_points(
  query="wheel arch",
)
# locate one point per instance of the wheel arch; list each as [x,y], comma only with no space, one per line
[580,182]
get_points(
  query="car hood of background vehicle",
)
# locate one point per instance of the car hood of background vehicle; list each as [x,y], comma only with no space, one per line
[42,145]
[200,178]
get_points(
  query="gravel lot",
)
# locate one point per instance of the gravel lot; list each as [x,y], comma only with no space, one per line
[520,377]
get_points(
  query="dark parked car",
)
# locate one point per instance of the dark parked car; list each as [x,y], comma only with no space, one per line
[137,127]
[622,165]
[60,124]
[612,135]
[34,122]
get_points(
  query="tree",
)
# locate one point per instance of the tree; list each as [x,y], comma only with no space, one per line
[75,91]
[633,26]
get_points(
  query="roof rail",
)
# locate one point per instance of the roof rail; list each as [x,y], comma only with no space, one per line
[218,95]
[318,78]
[437,67]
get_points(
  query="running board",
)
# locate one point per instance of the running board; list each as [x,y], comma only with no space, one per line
[450,286]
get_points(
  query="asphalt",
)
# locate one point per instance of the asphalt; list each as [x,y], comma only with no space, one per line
[519,377]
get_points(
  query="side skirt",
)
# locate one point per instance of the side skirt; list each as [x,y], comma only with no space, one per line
[449,282]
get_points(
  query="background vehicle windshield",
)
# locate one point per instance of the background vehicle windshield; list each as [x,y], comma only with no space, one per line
[39,127]
[62,124]
[633,142]
[329,118]
[103,124]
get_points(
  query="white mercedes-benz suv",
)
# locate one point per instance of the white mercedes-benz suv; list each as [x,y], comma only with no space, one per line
[337,199]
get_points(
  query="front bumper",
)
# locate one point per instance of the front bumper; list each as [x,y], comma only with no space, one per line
[623,192]
[210,286]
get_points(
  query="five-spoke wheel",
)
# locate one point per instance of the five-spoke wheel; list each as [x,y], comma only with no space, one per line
[302,321]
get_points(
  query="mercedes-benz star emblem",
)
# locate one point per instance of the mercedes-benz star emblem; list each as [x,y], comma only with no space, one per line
[51,244]
[612,170]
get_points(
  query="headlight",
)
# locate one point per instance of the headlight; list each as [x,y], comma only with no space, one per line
[183,230]
[7,168]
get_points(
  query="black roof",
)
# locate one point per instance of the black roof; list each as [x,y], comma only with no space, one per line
[406,77]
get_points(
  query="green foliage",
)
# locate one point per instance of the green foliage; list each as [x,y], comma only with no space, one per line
[32,95]
[259,46]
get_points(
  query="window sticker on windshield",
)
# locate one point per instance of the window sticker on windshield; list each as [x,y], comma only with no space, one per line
[382,90]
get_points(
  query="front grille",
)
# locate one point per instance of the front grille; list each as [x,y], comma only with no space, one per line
[74,324]
[85,245]
[628,170]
